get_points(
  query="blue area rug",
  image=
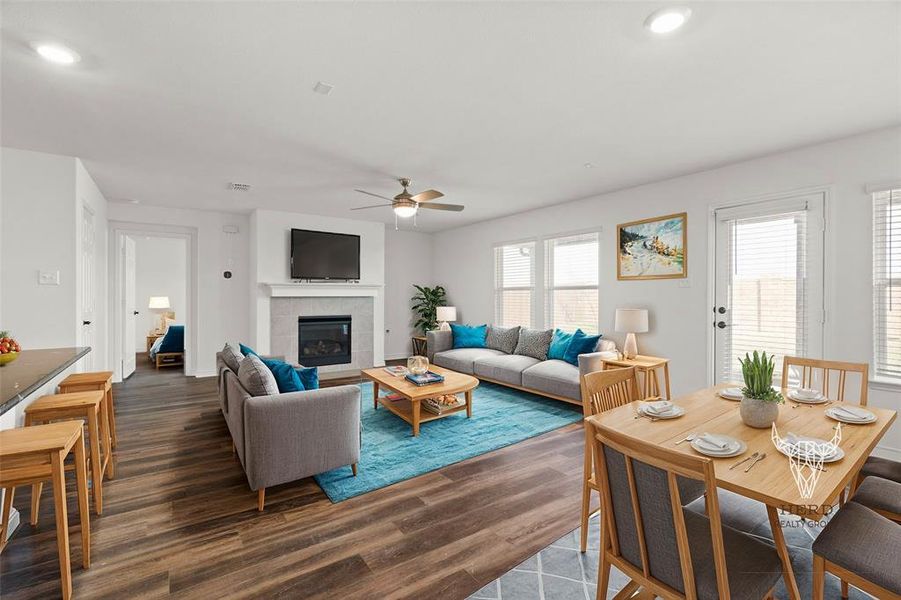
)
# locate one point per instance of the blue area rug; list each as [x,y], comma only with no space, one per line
[500,416]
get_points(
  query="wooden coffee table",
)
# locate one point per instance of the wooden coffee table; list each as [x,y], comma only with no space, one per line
[408,408]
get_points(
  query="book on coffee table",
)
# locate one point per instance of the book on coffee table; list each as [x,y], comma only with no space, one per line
[425,379]
[442,404]
[397,371]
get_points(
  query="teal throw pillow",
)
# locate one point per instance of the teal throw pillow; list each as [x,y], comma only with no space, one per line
[309,377]
[245,350]
[559,343]
[581,343]
[286,378]
[466,336]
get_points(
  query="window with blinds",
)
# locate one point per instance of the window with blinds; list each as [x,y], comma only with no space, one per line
[571,282]
[766,270]
[514,284]
[887,284]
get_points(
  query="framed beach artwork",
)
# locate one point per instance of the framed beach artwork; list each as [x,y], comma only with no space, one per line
[653,248]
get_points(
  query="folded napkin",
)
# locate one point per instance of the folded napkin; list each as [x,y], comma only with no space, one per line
[807,394]
[794,439]
[712,441]
[732,391]
[854,413]
[659,407]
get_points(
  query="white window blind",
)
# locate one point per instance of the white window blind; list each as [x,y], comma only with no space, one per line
[887,283]
[571,282]
[767,295]
[514,284]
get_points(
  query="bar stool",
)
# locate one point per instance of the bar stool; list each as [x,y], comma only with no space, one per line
[30,455]
[97,380]
[85,406]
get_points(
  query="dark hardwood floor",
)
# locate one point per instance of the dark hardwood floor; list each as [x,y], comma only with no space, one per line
[179,519]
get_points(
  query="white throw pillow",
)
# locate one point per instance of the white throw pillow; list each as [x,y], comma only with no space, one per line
[256,377]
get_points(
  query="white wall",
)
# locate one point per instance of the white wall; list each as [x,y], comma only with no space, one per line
[160,270]
[408,260]
[270,252]
[220,305]
[681,315]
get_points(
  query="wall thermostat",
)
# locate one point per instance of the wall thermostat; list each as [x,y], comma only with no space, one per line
[227,274]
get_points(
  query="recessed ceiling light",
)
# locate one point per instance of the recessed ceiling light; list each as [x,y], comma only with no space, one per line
[667,20]
[588,165]
[56,53]
[323,88]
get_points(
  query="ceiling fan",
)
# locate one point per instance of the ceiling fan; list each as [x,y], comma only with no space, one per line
[406,205]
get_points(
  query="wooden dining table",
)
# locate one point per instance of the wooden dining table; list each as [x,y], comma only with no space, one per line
[770,481]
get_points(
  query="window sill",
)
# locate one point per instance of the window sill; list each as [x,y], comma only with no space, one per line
[885,384]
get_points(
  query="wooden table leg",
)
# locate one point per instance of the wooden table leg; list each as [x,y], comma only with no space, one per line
[414,404]
[107,437]
[666,380]
[787,573]
[81,485]
[647,384]
[111,405]
[375,395]
[62,522]
[36,489]
[656,383]
[469,404]
[96,461]
[8,494]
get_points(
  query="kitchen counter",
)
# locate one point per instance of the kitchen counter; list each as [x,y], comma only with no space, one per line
[31,370]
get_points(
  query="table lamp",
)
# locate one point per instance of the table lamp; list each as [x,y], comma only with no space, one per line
[445,314]
[631,321]
[160,304]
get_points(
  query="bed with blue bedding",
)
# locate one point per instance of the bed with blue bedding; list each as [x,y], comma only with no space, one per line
[169,350]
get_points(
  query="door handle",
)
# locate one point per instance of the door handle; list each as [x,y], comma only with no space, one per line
[85,322]
[721,324]
[135,312]
[721,310]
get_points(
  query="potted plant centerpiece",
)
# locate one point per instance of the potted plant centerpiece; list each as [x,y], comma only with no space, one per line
[760,402]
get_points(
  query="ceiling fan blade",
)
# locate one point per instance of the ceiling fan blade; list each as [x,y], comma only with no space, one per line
[438,206]
[376,195]
[372,206]
[426,196]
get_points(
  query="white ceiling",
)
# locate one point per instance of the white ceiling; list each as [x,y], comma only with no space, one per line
[499,105]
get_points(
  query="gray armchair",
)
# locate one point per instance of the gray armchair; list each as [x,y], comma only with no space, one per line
[285,437]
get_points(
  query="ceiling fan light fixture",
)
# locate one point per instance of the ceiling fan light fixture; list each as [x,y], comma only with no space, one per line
[405,211]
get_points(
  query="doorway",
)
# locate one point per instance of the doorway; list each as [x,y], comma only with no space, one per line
[768,282]
[153,273]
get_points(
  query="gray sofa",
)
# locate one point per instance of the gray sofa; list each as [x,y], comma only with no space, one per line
[285,437]
[552,378]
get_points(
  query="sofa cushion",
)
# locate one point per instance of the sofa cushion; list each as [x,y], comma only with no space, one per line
[245,350]
[507,368]
[581,343]
[232,357]
[256,377]
[502,338]
[461,359]
[534,342]
[309,377]
[469,336]
[553,377]
[286,378]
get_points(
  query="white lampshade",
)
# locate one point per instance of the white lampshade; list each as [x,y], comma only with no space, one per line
[631,320]
[159,302]
[446,313]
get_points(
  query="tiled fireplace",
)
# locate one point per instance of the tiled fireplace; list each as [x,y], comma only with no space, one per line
[324,340]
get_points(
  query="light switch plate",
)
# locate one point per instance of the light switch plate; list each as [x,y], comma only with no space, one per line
[48,277]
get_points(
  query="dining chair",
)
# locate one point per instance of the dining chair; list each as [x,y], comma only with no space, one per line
[880,495]
[601,391]
[668,550]
[861,547]
[828,376]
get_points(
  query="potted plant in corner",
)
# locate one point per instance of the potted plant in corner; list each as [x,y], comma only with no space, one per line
[425,306]
[760,402]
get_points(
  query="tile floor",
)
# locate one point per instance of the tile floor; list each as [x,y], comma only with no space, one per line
[561,572]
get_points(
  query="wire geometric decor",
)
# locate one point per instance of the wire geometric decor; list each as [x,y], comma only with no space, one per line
[805,458]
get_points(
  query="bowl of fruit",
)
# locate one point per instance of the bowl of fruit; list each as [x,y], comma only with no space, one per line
[9,348]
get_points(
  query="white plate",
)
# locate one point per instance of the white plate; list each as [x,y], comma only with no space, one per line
[728,453]
[834,413]
[839,454]
[817,400]
[726,395]
[675,412]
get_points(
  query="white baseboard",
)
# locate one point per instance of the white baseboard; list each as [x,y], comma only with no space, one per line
[397,356]
[205,373]
[888,452]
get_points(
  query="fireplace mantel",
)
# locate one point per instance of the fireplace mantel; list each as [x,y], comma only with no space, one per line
[323,290]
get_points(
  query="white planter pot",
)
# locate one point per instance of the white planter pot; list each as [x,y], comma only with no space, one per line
[757,413]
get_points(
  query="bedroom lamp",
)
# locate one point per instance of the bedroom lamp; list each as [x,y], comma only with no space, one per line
[631,321]
[160,304]
[445,314]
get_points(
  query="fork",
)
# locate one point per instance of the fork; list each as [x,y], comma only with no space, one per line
[689,438]
[759,458]
[744,460]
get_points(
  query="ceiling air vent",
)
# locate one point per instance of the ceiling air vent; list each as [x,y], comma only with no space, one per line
[239,187]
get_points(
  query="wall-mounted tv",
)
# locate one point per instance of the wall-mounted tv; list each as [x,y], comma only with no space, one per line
[324,255]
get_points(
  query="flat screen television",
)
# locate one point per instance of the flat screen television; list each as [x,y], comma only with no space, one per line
[323,255]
